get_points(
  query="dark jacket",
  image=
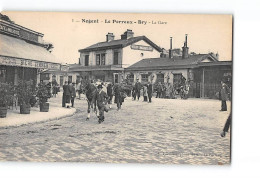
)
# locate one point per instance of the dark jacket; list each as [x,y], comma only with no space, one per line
[138,86]
[117,89]
[109,90]
[150,89]
[73,92]
[101,98]
[159,88]
[224,92]
[66,90]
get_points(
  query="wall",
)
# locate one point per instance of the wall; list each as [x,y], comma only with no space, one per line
[167,73]
[128,55]
[109,57]
[131,56]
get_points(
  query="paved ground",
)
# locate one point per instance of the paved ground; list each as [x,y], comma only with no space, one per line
[165,131]
[56,111]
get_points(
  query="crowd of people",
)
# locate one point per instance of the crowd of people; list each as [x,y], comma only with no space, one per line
[169,91]
[107,93]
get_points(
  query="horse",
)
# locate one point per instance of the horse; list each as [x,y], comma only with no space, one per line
[90,91]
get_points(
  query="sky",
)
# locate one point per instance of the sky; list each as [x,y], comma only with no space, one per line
[68,34]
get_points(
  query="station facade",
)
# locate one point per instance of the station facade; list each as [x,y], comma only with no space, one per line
[106,60]
[23,53]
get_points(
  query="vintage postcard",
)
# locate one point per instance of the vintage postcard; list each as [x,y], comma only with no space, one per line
[115,87]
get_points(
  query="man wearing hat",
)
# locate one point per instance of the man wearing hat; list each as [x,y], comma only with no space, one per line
[224,93]
[138,87]
[73,94]
[101,100]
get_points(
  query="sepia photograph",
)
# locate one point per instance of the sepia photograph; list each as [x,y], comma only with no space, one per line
[118,88]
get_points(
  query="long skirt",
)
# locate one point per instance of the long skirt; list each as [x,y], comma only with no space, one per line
[67,99]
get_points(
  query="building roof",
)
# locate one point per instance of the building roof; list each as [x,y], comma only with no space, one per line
[119,44]
[18,48]
[171,63]
[75,65]
[80,68]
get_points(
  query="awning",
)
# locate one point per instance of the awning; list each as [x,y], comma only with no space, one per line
[17,52]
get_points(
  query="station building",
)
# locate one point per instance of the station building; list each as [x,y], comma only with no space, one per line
[203,71]
[23,53]
[106,60]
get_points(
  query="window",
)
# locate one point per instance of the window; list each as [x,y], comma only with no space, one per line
[78,79]
[160,78]
[131,78]
[144,77]
[103,59]
[116,58]
[98,59]
[177,78]
[87,60]
[43,76]
[116,78]
[2,75]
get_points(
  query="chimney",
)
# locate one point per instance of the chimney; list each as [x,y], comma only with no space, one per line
[170,50]
[217,56]
[185,48]
[128,34]
[110,36]
[163,53]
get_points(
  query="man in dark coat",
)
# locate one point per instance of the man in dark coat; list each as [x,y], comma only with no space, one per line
[150,91]
[73,94]
[224,93]
[133,93]
[110,93]
[138,87]
[67,89]
[65,92]
[118,95]
[159,90]
[101,100]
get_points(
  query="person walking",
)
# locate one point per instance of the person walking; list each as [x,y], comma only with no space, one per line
[79,89]
[133,93]
[118,96]
[54,88]
[65,92]
[138,87]
[68,93]
[110,94]
[145,93]
[159,90]
[101,100]
[73,94]
[150,91]
[224,92]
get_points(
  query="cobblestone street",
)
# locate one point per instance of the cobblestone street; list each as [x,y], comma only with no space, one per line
[171,131]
